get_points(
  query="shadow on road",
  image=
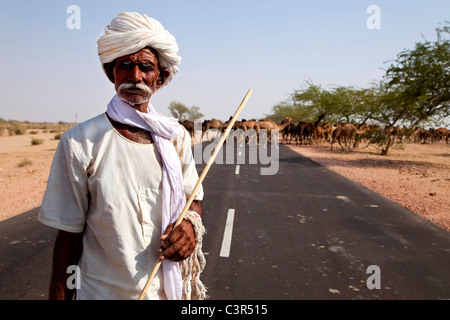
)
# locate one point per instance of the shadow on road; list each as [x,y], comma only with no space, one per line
[26,248]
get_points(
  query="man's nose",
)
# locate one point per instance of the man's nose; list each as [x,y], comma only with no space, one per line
[136,74]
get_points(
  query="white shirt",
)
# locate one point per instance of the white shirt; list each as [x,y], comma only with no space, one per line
[109,187]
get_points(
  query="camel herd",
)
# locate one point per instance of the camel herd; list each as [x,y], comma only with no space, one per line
[307,133]
[351,134]
[244,125]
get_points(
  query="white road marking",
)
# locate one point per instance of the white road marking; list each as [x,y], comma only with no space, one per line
[236,171]
[343,198]
[226,242]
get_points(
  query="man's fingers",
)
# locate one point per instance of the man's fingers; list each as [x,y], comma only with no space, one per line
[185,251]
[178,251]
[174,250]
[178,244]
[166,233]
[169,238]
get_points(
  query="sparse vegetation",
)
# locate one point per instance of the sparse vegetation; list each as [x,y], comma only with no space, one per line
[14,127]
[17,129]
[36,142]
[24,163]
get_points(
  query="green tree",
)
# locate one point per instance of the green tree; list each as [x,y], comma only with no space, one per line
[312,103]
[422,77]
[181,112]
[416,87]
[286,109]
[178,110]
[194,113]
[315,102]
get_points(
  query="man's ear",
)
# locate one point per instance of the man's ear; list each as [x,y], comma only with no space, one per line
[163,75]
[109,69]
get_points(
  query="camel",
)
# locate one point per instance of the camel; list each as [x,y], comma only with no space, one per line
[323,132]
[294,132]
[270,125]
[225,124]
[246,125]
[416,134]
[288,133]
[238,124]
[441,135]
[189,125]
[362,129]
[346,131]
[423,136]
[212,124]
[304,132]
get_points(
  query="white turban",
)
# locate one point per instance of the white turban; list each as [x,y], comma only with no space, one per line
[130,32]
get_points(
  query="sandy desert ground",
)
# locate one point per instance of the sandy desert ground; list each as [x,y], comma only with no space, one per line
[416,176]
[24,170]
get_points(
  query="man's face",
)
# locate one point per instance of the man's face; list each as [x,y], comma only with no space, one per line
[136,76]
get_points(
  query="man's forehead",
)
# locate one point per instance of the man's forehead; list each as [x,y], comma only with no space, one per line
[147,53]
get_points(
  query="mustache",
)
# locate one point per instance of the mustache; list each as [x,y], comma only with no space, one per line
[134,86]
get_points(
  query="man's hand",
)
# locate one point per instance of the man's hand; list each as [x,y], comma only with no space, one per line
[179,243]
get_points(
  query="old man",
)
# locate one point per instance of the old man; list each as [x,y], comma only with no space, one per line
[119,181]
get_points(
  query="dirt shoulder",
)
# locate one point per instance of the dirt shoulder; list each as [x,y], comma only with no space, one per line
[416,176]
[24,170]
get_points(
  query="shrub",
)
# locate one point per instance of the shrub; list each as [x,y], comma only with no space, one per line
[35,142]
[374,136]
[16,130]
[24,163]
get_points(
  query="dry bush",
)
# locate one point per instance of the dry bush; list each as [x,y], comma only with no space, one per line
[24,163]
[36,142]
[15,127]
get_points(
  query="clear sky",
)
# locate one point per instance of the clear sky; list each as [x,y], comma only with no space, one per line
[50,73]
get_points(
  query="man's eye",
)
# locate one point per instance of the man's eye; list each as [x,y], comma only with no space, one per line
[125,64]
[146,67]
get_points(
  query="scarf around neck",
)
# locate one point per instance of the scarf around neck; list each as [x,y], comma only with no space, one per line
[162,129]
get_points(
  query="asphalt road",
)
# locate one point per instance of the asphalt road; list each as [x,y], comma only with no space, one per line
[26,248]
[309,233]
[304,233]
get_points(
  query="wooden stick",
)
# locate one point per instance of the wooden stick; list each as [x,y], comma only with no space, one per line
[198,184]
